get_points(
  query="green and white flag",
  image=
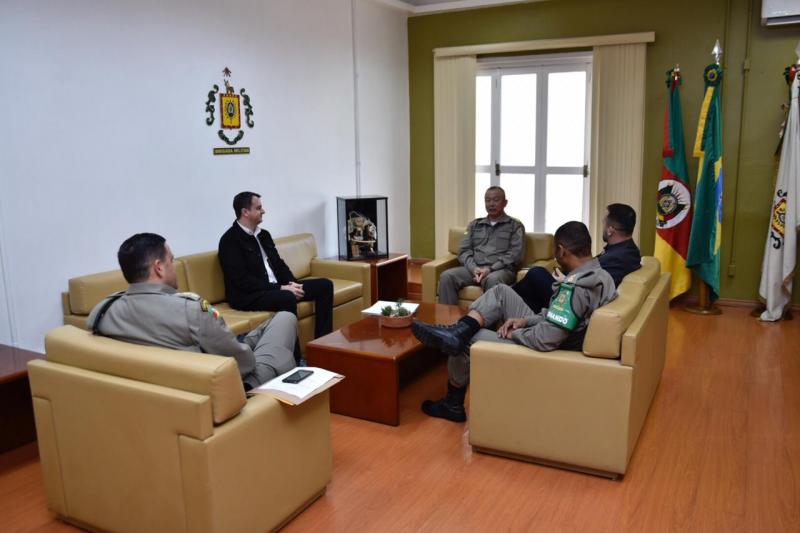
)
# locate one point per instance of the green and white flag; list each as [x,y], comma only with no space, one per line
[706,236]
[780,251]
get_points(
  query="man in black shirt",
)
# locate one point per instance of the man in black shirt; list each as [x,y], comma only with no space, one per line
[619,258]
[257,278]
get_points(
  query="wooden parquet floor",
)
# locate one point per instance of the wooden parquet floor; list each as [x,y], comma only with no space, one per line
[720,451]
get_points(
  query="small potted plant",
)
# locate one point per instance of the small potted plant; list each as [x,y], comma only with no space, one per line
[395,316]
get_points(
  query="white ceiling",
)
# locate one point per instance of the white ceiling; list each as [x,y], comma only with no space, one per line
[436,6]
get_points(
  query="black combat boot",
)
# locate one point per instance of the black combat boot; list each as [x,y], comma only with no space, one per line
[451,407]
[452,339]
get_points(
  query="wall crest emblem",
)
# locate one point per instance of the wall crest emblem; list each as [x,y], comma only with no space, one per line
[230,115]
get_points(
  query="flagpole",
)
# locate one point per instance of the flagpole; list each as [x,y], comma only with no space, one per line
[704,305]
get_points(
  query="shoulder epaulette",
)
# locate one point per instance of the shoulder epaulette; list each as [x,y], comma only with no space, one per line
[205,305]
[189,295]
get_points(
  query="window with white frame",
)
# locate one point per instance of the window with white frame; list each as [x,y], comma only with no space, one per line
[532,136]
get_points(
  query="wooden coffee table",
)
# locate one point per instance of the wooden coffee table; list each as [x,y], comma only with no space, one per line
[373,360]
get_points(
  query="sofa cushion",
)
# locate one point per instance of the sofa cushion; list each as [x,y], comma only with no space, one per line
[211,375]
[241,321]
[470,292]
[87,291]
[454,237]
[297,251]
[538,246]
[204,276]
[345,290]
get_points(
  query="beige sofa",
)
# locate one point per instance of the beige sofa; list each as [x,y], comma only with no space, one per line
[582,411]
[136,438]
[538,252]
[202,274]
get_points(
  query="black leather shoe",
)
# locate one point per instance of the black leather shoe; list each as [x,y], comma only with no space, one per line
[446,409]
[452,340]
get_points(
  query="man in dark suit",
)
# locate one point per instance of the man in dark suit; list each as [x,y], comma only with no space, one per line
[257,279]
[619,258]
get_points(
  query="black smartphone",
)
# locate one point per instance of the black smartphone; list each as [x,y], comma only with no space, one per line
[298,376]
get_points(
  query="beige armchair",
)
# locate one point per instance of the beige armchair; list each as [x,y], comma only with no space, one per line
[135,438]
[582,411]
[538,252]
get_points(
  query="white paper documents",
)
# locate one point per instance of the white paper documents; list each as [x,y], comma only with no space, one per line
[297,393]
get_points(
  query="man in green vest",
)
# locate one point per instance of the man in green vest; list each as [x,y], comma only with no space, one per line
[585,287]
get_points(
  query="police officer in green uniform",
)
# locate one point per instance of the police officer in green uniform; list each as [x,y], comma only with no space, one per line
[153,312]
[585,287]
[490,252]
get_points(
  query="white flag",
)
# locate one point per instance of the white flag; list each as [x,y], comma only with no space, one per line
[780,252]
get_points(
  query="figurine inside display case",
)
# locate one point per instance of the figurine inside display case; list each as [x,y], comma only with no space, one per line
[362,234]
[362,227]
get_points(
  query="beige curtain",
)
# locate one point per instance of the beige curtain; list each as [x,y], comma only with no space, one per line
[454,144]
[618,83]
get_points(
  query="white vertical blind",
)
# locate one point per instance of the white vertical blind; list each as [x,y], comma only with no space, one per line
[618,84]
[454,140]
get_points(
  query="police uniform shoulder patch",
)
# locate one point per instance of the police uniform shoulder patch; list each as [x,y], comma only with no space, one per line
[208,308]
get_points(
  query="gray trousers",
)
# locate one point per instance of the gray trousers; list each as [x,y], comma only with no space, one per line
[273,346]
[454,279]
[495,306]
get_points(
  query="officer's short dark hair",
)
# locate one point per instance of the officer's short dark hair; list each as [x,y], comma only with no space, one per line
[137,253]
[574,236]
[622,218]
[243,200]
[497,188]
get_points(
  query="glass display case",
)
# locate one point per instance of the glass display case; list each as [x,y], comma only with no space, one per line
[363,230]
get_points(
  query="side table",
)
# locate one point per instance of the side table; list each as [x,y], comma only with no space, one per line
[388,276]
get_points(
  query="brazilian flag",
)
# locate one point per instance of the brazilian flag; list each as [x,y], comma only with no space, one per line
[706,236]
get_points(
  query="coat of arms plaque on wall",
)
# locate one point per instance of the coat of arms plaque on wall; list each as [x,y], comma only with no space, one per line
[230,117]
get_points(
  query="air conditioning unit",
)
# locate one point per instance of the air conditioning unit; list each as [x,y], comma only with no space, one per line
[780,12]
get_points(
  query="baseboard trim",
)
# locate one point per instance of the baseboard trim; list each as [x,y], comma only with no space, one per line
[690,299]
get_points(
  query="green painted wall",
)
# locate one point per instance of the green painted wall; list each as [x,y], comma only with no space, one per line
[685,33]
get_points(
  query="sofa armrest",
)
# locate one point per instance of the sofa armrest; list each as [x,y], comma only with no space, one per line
[282,452]
[431,271]
[65,304]
[353,271]
[558,406]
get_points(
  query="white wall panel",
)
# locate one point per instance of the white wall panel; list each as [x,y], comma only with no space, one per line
[382,59]
[105,130]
